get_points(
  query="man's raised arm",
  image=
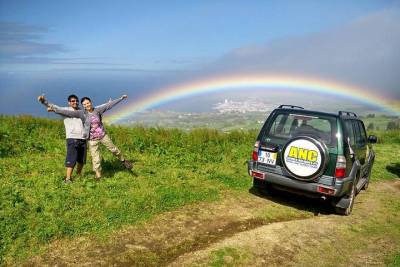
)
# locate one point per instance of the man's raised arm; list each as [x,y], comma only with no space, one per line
[67,112]
[50,106]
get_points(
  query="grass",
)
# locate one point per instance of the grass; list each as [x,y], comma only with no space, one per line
[387,161]
[172,168]
[394,260]
[369,237]
[229,256]
[381,231]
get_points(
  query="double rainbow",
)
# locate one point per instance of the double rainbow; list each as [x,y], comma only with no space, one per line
[241,82]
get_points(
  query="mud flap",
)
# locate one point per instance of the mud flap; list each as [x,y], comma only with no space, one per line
[343,203]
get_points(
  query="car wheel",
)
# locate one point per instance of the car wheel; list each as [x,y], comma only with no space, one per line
[347,211]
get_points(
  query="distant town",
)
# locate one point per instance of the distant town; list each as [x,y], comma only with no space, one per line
[249,105]
[249,114]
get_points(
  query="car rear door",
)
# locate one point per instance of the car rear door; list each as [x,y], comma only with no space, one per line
[362,146]
[361,141]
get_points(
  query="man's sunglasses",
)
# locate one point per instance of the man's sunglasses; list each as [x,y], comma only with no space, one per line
[73,100]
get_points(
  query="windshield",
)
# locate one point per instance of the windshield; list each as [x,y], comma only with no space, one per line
[285,126]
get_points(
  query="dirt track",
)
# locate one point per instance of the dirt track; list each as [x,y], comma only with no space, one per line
[247,229]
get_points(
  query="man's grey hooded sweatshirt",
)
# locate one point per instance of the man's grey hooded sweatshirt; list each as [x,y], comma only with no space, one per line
[73,126]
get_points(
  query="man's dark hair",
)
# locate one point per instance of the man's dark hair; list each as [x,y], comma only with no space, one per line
[72,97]
[85,98]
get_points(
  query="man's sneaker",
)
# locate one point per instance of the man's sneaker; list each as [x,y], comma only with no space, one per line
[127,164]
[67,181]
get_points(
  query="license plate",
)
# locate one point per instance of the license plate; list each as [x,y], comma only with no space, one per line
[267,157]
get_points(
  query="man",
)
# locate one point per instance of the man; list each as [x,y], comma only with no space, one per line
[76,143]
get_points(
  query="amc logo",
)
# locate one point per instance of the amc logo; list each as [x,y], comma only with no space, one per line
[303,154]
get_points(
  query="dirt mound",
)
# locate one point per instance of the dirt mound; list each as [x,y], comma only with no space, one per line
[243,229]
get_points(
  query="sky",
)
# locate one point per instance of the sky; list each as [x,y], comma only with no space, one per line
[103,49]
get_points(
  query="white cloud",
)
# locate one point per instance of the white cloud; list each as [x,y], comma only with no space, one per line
[365,53]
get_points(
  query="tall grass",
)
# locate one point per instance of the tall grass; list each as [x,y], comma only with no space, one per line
[172,168]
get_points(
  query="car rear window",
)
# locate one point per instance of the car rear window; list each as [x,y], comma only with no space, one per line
[285,126]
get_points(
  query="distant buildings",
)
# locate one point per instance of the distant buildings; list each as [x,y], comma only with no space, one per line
[249,105]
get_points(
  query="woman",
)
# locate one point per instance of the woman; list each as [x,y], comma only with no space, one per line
[94,130]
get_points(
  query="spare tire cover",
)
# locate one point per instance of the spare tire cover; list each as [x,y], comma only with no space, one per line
[305,158]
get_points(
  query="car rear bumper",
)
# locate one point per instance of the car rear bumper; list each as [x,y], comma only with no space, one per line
[323,186]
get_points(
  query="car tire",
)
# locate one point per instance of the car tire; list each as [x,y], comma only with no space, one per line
[347,211]
[320,146]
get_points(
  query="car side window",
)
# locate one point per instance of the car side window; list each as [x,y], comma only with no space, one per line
[282,125]
[277,125]
[357,135]
[363,135]
[350,132]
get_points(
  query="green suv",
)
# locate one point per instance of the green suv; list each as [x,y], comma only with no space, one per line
[314,153]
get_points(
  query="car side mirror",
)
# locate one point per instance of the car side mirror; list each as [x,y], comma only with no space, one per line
[372,139]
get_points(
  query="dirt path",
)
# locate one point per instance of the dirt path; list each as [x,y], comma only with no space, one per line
[248,229]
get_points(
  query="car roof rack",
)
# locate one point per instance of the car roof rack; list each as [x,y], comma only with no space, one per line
[347,113]
[290,106]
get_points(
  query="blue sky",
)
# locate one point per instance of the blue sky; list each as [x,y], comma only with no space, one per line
[102,48]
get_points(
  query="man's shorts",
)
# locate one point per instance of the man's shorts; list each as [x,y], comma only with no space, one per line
[76,152]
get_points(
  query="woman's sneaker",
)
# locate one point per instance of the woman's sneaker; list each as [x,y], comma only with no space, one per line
[127,164]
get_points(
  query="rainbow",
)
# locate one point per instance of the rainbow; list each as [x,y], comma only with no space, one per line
[240,82]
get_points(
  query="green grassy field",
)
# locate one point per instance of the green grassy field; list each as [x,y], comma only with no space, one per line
[227,122]
[172,168]
[378,123]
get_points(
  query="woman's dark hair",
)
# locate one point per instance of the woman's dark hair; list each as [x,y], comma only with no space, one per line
[73,97]
[85,98]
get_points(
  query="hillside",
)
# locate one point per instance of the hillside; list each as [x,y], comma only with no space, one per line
[173,170]
[228,121]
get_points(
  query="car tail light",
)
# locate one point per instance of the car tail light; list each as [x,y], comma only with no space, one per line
[255,151]
[255,155]
[340,170]
[326,190]
[258,175]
